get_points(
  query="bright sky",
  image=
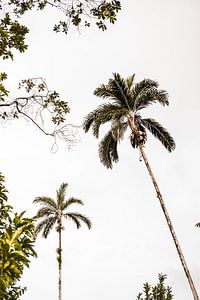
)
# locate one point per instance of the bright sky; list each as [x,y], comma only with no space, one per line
[129,243]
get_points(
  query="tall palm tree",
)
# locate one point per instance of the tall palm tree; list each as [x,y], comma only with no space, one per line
[52,213]
[127,99]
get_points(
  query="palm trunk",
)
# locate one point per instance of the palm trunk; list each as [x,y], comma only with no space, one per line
[167,217]
[59,258]
[59,268]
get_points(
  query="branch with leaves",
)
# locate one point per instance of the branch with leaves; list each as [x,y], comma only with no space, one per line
[76,13]
[41,107]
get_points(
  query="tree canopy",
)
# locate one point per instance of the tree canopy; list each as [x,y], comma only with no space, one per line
[158,292]
[16,247]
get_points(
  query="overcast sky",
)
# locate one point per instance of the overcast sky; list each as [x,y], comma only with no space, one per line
[129,242]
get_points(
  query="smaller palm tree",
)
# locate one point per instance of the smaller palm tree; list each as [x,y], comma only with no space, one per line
[52,213]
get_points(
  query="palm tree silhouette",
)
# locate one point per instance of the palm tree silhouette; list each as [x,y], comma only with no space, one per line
[52,213]
[123,111]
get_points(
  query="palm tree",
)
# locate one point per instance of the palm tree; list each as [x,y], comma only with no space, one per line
[52,213]
[123,112]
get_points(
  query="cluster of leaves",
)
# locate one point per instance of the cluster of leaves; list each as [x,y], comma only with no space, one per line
[42,107]
[106,11]
[3,91]
[12,35]
[158,292]
[38,92]
[76,12]
[16,247]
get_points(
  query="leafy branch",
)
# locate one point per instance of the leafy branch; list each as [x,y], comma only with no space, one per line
[41,107]
[158,292]
[76,13]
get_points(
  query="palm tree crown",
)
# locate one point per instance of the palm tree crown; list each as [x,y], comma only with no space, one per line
[127,99]
[52,212]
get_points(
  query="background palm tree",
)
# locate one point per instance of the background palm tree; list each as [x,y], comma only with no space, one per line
[52,213]
[127,100]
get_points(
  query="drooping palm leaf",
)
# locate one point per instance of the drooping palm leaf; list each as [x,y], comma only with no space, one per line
[160,133]
[145,84]
[71,201]
[42,224]
[45,211]
[104,113]
[108,150]
[45,201]
[76,218]
[149,96]
[49,225]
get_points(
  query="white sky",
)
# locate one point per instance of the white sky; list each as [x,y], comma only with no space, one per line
[129,243]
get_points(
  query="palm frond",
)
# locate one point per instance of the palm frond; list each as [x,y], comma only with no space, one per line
[45,211]
[78,218]
[51,222]
[104,91]
[61,192]
[121,90]
[149,96]
[71,201]
[45,226]
[88,120]
[130,81]
[160,133]
[116,90]
[45,201]
[74,219]
[108,150]
[145,84]
[40,226]
[104,113]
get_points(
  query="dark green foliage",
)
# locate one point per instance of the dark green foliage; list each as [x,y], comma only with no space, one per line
[158,292]
[160,133]
[12,36]
[108,150]
[76,13]
[16,247]
[104,113]
[126,100]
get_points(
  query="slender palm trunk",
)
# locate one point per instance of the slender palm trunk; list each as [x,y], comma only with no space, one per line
[60,268]
[167,217]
